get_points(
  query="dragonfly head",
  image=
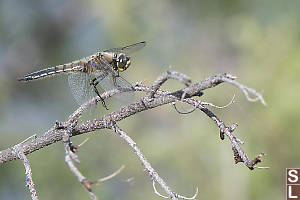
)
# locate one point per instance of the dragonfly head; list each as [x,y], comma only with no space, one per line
[122,62]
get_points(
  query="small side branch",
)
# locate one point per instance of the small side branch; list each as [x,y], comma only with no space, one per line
[70,156]
[246,90]
[109,176]
[29,180]
[168,75]
[178,196]
[152,173]
[239,154]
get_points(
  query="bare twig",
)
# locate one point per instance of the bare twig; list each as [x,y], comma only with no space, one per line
[220,107]
[68,159]
[164,77]
[152,173]
[83,142]
[246,90]
[70,155]
[110,176]
[183,113]
[203,104]
[156,192]
[29,180]
[239,154]
[18,149]
[178,196]
[189,198]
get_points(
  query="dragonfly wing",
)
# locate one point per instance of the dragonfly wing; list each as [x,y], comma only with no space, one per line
[111,82]
[80,86]
[128,49]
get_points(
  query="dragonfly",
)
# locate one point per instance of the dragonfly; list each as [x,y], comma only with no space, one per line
[100,69]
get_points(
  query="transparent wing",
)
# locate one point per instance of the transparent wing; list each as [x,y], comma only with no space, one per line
[80,86]
[111,81]
[128,49]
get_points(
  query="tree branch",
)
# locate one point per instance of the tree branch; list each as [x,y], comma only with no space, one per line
[62,131]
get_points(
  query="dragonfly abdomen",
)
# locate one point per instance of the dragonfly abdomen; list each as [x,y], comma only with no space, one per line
[71,67]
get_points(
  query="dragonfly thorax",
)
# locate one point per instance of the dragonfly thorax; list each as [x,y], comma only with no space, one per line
[121,62]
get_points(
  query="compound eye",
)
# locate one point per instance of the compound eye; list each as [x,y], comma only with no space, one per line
[122,62]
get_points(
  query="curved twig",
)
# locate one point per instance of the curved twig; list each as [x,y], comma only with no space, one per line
[110,176]
[177,195]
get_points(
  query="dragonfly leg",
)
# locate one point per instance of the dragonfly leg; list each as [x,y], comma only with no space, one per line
[115,81]
[94,83]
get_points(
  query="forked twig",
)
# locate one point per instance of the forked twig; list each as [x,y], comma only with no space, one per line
[70,155]
[246,90]
[18,149]
[68,159]
[164,77]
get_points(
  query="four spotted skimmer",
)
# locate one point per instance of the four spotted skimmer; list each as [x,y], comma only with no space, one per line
[101,68]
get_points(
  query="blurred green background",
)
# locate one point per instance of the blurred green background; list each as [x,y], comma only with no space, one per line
[258,41]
